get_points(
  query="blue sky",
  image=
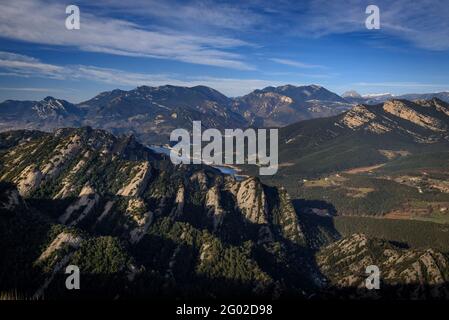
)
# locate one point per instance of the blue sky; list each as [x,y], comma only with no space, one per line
[232,46]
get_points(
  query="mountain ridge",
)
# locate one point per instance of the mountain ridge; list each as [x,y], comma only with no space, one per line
[283,105]
[153,112]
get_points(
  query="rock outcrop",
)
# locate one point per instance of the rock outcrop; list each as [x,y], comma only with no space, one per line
[404,272]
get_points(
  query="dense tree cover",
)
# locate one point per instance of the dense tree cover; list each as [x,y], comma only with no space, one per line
[102,255]
[197,260]
[368,195]
[416,162]
[22,235]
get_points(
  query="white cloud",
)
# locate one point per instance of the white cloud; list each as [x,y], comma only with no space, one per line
[42,22]
[18,64]
[205,13]
[296,64]
[228,86]
[44,90]
[12,64]
[424,23]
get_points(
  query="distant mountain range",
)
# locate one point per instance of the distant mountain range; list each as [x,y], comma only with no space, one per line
[354,97]
[151,113]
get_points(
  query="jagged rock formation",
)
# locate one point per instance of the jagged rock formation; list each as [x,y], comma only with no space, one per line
[64,238]
[405,273]
[88,183]
[357,116]
[428,115]
[401,110]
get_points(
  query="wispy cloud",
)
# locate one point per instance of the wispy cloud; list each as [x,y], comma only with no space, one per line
[42,22]
[423,23]
[18,64]
[191,14]
[211,33]
[296,64]
[10,63]
[43,90]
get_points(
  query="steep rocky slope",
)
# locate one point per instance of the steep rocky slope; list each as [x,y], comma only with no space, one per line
[405,273]
[90,190]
